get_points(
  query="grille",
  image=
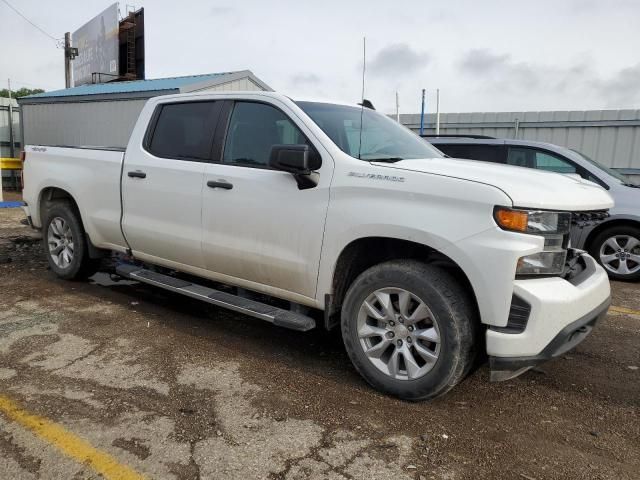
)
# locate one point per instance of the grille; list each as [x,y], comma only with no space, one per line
[589,218]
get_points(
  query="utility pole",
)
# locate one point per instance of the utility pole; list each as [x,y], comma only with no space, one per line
[438,111]
[422,114]
[67,60]
[12,147]
[397,107]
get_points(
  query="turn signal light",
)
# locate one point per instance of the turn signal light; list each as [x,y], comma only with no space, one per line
[517,220]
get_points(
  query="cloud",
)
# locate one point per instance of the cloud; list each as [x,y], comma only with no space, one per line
[483,61]
[306,79]
[500,70]
[398,59]
[220,11]
[499,73]
[621,90]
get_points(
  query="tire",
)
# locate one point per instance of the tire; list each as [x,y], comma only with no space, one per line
[62,231]
[617,249]
[451,329]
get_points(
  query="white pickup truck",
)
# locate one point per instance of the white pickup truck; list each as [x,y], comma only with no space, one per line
[292,213]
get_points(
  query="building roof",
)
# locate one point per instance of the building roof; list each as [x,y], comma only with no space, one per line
[172,83]
[142,88]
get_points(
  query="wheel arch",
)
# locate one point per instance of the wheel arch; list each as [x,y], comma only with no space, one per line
[48,196]
[612,223]
[365,252]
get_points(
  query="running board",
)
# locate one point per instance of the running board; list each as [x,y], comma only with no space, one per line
[275,315]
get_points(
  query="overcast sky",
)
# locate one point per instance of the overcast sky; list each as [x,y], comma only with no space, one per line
[489,55]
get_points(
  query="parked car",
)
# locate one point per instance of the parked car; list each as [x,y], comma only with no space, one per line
[615,242]
[421,263]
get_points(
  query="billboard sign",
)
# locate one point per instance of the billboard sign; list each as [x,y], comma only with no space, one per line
[98,48]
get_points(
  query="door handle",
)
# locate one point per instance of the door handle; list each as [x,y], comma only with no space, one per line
[219,184]
[137,174]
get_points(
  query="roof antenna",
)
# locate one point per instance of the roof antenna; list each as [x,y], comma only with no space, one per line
[362,105]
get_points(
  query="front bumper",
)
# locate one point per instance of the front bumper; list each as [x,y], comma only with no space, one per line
[563,312]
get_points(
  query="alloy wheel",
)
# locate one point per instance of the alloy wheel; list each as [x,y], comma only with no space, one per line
[398,333]
[621,254]
[60,241]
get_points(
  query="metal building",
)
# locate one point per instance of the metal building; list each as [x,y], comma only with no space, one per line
[9,143]
[104,114]
[610,136]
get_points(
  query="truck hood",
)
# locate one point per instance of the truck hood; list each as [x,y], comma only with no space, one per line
[526,187]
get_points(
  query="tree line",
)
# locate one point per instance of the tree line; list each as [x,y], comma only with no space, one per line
[23,92]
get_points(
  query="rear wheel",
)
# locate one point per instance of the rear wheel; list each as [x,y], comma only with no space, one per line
[617,249]
[65,242]
[409,329]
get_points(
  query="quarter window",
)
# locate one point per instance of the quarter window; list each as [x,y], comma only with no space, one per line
[253,129]
[184,130]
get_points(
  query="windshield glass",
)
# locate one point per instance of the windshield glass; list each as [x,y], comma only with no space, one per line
[607,170]
[382,138]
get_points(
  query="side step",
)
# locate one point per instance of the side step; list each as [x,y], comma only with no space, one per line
[275,315]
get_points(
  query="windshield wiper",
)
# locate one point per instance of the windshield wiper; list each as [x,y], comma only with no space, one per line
[384,159]
[632,185]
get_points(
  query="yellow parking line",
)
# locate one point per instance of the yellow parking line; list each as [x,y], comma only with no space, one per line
[70,444]
[628,311]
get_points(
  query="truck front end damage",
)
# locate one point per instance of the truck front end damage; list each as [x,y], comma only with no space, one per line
[549,314]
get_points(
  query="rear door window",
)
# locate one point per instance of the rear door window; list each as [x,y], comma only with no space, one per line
[184,130]
[539,159]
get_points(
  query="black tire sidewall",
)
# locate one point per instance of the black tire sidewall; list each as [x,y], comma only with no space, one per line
[602,237]
[69,214]
[424,282]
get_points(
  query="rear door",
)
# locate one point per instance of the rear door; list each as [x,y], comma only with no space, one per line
[162,183]
[258,226]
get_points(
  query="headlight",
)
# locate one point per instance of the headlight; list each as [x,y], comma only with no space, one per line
[532,221]
[551,225]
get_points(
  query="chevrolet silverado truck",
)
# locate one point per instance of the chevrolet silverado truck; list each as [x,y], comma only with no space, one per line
[306,213]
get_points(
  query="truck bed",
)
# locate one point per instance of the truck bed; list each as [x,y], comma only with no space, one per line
[91,175]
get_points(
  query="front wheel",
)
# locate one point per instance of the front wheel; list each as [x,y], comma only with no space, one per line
[617,249]
[409,329]
[66,244]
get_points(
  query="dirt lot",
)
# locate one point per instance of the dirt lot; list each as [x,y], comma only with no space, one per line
[131,381]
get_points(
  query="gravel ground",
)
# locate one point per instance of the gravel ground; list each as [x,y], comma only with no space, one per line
[173,388]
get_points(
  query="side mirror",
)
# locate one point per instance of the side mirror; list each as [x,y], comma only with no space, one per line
[295,159]
[290,158]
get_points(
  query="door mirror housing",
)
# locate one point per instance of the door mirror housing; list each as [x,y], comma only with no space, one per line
[290,158]
[295,159]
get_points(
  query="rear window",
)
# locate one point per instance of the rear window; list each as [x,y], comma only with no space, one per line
[184,130]
[484,153]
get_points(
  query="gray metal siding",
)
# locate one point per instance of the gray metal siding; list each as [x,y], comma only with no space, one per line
[5,145]
[609,136]
[106,119]
[107,123]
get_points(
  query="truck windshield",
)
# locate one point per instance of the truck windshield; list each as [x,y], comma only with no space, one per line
[383,139]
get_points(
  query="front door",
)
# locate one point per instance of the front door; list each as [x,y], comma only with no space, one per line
[162,184]
[258,226]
